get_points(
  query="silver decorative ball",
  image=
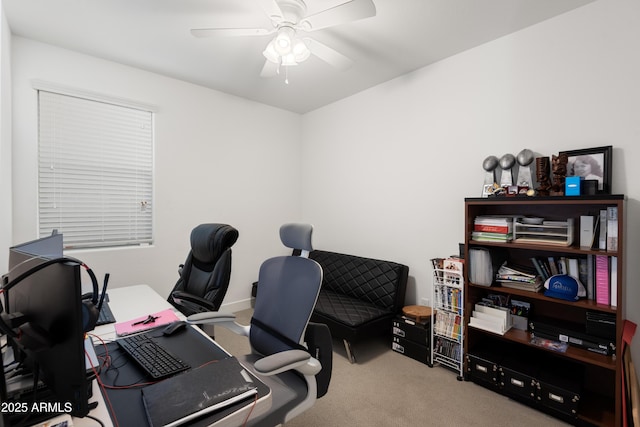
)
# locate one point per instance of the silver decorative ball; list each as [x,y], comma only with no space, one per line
[507,161]
[490,163]
[525,157]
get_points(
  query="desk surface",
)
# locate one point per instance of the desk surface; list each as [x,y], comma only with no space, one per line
[135,301]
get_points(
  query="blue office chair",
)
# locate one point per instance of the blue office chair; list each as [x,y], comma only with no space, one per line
[205,274]
[289,354]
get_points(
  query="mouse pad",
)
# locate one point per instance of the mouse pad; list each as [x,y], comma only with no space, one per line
[123,373]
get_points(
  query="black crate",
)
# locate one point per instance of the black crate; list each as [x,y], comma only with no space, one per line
[417,332]
[482,367]
[418,352]
[559,386]
[518,378]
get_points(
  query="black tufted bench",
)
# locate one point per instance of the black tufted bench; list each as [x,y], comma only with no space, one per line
[359,296]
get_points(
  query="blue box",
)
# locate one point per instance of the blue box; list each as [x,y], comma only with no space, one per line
[572,186]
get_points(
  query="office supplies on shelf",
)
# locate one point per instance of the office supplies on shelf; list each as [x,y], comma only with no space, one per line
[143,323]
[187,396]
[151,356]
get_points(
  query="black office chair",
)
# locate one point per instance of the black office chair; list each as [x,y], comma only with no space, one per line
[204,276]
[289,354]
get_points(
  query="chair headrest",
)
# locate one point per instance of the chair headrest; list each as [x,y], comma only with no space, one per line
[208,241]
[297,236]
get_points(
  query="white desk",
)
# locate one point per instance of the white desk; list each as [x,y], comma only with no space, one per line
[136,301]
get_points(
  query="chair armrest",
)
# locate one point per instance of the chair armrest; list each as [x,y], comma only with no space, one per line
[276,363]
[226,320]
[192,302]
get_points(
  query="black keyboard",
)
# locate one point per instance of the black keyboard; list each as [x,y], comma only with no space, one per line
[105,316]
[151,356]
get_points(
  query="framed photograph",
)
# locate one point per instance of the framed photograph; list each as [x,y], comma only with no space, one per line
[591,163]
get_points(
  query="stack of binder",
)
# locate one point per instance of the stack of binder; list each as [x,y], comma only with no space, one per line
[492,229]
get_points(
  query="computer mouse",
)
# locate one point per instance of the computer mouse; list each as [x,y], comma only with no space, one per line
[174,327]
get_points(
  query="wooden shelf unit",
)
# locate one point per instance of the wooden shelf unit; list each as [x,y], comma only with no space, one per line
[601,400]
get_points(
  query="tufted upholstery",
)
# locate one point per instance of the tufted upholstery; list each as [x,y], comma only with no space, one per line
[359,296]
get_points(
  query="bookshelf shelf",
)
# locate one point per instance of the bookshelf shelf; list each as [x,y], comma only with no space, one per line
[600,378]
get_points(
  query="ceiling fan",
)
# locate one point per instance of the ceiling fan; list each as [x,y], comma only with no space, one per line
[289,19]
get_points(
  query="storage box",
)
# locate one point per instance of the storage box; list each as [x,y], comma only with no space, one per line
[417,332]
[482,367]
[559,386]
[518,378]
[418,352]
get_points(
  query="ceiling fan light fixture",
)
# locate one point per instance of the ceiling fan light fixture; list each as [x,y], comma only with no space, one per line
[284,40]
[300,50]
[295,52]
[289,60]
[271,54]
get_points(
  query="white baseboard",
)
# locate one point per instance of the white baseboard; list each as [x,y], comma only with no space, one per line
[232,307]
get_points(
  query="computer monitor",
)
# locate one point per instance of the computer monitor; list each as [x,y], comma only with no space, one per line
[49,295]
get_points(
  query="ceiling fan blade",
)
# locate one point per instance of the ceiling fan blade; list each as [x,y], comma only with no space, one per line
[328,55]
[271,8]
[230,32]
[269,69]
[352,10]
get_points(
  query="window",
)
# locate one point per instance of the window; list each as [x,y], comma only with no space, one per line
[95,163]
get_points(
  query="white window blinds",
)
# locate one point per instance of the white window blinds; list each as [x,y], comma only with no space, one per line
[95,171]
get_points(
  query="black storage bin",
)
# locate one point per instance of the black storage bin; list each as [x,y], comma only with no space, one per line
[418,352]
[482,367]
[559,386]
[417,332]
[518,378]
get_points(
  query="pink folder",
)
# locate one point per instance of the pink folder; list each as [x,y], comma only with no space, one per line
[133,326]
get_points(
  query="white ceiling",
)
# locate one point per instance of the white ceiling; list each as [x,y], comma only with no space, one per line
[154,35]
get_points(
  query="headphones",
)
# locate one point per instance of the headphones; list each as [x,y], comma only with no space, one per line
[35,338]
[90,307]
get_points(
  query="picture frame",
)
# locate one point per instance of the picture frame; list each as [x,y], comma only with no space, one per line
[592,163]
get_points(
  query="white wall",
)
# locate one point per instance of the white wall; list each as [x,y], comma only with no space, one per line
[5,136]
[218,158]
[387,170]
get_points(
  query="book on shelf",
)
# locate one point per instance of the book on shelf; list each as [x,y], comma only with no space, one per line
[591,277]
[519,277]
[537,264]
[613,281]
[531,287]
[448,298]
[602,279]
[436,263]
[485,236]
[612,228]
[498,229]
[497,220]
[448,324]
[453,268]
[561,262]
[573,268]
[492,228]
[602,230]
[586,231]
[553,266]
